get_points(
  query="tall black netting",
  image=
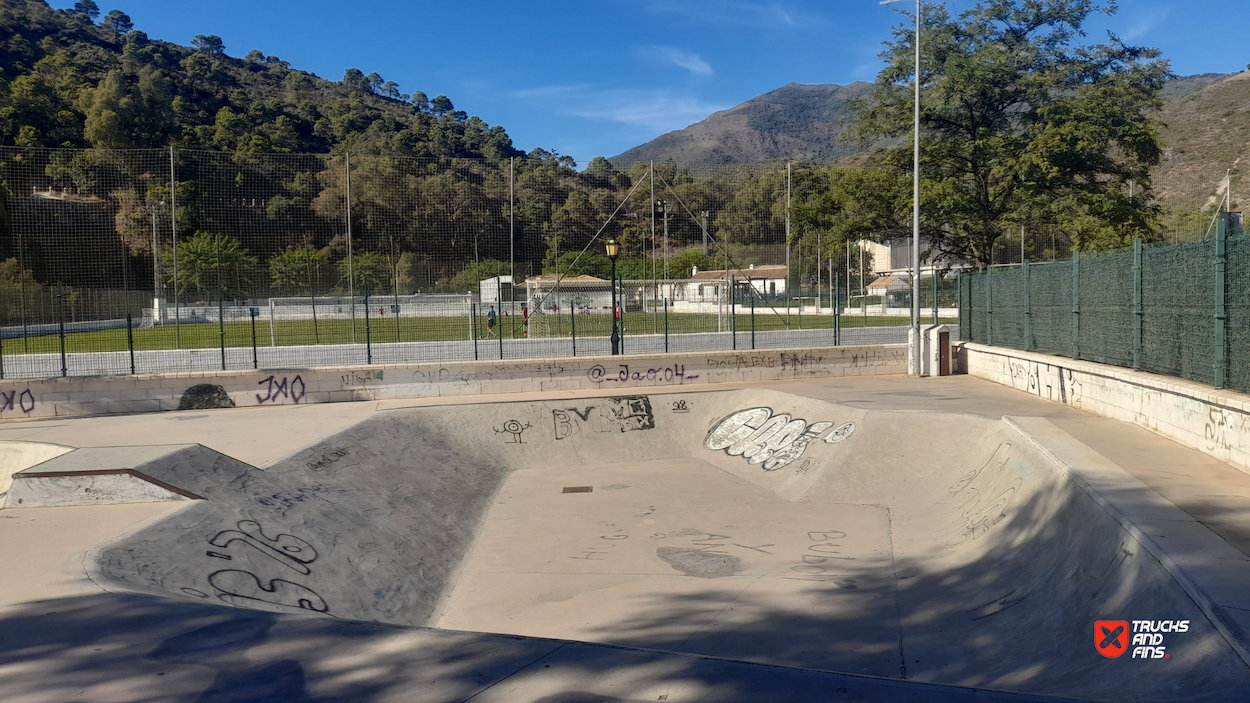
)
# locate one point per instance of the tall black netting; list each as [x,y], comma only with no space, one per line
[170,260]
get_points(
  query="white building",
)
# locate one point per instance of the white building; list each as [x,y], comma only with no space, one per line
[713,286]
[494,290]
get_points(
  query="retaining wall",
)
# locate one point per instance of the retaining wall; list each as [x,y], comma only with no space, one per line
[1213,421]
[192,390]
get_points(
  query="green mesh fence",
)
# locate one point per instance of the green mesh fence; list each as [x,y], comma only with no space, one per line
[1173,329]
[1106,305]
[1238,301]
[1050,307]
[1178,299]
[1009,307]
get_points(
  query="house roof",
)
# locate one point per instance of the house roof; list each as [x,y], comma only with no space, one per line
[771,271]
[889,282]
[550,279]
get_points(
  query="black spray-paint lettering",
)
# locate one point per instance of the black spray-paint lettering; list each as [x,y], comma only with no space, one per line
[24,401]
[675,373]
[276,390]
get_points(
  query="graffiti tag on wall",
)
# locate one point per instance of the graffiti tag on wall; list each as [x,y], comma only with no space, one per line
[624,414]
[760,437]
[279,555]
[276,390]
[12,400]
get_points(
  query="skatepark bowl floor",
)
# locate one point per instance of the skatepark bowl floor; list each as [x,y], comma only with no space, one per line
[729,545]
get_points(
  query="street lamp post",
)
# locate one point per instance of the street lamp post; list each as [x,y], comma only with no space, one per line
[915,234]
[614,250]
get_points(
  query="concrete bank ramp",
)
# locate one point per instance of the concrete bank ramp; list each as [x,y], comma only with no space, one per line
[18,456]
[748,525]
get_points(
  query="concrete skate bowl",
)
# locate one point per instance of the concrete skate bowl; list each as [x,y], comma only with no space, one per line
[746,525]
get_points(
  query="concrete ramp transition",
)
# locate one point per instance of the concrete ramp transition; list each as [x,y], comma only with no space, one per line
[745,525]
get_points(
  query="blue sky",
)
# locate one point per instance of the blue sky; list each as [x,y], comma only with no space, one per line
[596,77]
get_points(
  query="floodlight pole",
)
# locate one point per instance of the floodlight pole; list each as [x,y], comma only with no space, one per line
[915,233]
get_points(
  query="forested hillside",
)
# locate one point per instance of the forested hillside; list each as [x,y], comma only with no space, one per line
[74,78]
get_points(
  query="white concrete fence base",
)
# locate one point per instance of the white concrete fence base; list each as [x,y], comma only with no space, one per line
[1216,422]
[198,390]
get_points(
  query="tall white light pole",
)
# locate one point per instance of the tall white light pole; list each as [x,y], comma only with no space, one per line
[915,211]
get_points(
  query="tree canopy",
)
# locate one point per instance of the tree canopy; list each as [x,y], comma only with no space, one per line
[1020,123]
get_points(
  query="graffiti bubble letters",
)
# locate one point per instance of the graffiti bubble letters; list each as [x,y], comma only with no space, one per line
[840,433]
[288,550]
[24,401]
[246,589]
[513,428]
[275,390]
[984,495]
[624,414]
[667,374]
[761,437]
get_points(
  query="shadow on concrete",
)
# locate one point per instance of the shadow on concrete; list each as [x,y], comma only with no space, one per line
[1017,618]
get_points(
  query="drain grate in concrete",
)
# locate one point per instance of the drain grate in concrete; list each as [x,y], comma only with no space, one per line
[578,489]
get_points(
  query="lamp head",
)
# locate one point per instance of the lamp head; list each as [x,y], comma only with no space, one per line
[614,249]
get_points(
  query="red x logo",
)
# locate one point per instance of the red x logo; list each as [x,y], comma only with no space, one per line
[1111,637]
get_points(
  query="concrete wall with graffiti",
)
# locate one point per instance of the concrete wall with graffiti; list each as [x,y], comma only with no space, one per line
[227,389]
[1213,421]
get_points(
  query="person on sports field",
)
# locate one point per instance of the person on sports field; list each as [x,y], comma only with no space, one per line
[490,322]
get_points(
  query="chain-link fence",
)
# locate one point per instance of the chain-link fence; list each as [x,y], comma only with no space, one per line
[1181,310]
[117,262]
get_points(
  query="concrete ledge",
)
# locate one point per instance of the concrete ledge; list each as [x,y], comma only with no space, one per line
[1213,421]
[97,476]
[1208,568]
[200,390]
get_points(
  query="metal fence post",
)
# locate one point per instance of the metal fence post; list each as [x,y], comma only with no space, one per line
[253,312]
[130,343]
[369,335]
[1221,311]
[959,306]
[836,304]
[752,323]
[666,325]
[60,299]
[1137,305]
[733,313]
[989,304]
[1028,308]
[935,296]
[472,323]
[1076,304]
[221,326]
[1,357]
[573,326]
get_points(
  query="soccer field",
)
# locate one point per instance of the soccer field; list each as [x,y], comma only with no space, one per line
[390,329]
